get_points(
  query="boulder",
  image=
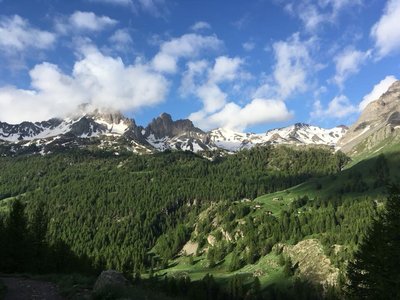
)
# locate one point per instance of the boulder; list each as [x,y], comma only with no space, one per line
[110,278]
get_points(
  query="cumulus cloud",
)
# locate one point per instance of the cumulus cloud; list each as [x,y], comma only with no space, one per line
[84,21]
[121,39]
[195,71]
[204,81]
[201,25]
[348,62]
[16,34]
[378,90]
[186,46]
[206,88]
[235,117]
[99,80]
[212,96]
[292,69]
[339,107]
[225,68]
[291,72]
[385,32]
[292,62]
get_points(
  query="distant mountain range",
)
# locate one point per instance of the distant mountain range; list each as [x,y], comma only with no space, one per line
[111,130]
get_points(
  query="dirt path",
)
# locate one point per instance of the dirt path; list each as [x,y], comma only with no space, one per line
[19,288]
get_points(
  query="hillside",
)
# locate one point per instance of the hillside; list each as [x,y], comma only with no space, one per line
[377,126]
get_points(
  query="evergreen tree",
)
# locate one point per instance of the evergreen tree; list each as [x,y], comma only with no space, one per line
[17,239]
[374,273]
[38,230]
[288,268]
[235,263]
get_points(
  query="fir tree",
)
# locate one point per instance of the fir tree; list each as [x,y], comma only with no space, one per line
[374,273]
[17,238]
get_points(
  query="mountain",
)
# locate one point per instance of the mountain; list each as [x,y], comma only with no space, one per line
[377,126]
[111,130]
[163,133]
[297,134]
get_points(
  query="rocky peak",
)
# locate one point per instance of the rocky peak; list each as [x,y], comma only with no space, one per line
[86,127]
[377,122]
[108,115]
[301,125]
[111,117]
[395,87]
[164,126]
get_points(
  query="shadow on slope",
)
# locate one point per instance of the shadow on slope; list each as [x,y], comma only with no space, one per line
[365,178]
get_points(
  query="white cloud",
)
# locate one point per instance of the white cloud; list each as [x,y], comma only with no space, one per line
[212,96]
[99,80]
[235,117]
[84,21]
[338,108]
[386,32]
[348,62]
[207,89]
[165,63]
[314,14]
[200,26]
[186,46]
[194,73]
[121,39]
[311,16]
[204,81]
[378,90]
[16,34]
[225,69]
[248,46]
[293,65]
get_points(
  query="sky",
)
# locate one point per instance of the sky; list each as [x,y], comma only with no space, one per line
[239,64]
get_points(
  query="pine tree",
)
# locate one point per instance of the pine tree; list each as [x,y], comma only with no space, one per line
[374,273]
[38,230]
[17,246]
[235,262]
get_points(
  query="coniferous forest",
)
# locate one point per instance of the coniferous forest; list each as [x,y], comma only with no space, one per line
[81,211]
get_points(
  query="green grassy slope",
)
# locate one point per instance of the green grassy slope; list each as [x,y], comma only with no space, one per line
[267,268]
[363,173]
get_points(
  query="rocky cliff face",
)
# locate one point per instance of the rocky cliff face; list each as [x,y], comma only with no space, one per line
[164,126]
[163,133]
[379,121]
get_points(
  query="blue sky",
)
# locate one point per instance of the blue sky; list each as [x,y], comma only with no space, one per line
[245,65]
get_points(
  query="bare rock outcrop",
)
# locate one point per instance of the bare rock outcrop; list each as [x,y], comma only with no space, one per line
[379,121]
[312,262]
[110,278]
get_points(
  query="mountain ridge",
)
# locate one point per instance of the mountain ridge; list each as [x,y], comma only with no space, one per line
[162,133]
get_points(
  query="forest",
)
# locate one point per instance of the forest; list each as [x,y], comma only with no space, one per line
[83,211]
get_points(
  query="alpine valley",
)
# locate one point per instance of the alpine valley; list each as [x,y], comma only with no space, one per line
[188,214]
